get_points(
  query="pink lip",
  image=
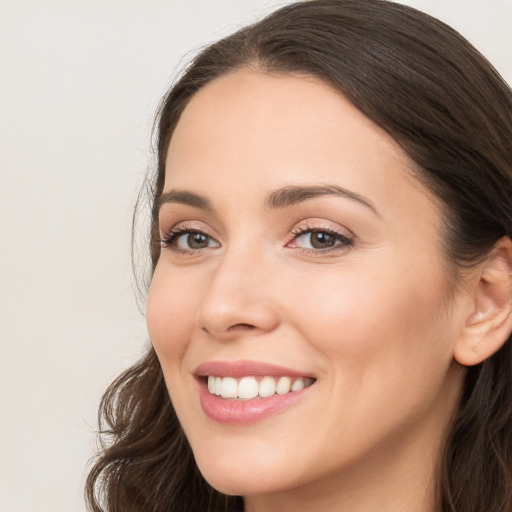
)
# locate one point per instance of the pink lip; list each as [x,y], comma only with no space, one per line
[241,412]
[239,369]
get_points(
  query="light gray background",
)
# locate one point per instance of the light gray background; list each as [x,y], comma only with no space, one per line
[79,83]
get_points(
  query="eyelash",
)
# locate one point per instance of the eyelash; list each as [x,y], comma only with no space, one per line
[343,241]
[171,237]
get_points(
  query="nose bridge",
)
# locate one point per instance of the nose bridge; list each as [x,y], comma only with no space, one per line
[238,295]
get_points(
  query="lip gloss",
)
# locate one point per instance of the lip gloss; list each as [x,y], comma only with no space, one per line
[236,411]
[240,412]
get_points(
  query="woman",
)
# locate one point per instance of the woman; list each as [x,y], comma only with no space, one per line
[330,300]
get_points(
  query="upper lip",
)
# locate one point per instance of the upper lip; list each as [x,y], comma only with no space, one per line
[246,368]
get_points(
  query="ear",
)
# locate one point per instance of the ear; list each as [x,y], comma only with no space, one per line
[489,324]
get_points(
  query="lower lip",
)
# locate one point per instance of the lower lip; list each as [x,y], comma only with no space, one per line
[243,412]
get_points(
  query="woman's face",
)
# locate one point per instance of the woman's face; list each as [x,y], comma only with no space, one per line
[299,250]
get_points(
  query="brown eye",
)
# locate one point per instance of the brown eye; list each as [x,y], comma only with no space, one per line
[197,241]
[188,240]
[321,240]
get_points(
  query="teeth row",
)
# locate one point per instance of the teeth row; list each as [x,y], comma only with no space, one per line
[249,387]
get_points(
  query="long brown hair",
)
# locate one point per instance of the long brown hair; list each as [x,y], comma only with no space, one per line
[451,112]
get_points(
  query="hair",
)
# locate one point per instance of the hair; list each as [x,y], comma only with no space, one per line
[451,113]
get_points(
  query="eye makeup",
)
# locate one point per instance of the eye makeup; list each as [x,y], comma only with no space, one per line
[318,239]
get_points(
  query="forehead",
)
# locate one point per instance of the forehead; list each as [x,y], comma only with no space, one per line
[250,105]
[249,131]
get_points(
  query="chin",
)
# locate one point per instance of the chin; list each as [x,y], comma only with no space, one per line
[242,476]
[247,484]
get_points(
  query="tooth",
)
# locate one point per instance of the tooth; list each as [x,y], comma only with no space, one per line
[211,384]
[284,385]
[298,385]
[218,385]
[267,387]
[248,388]
[229,388]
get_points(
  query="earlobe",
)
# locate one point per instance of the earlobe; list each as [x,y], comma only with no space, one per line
[489,324]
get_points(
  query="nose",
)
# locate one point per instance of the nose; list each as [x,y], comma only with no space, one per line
[239,298]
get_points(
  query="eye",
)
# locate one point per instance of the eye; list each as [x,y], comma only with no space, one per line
[320,239]
[183,239]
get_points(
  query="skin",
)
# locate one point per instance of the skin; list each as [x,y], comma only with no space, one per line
[374,321]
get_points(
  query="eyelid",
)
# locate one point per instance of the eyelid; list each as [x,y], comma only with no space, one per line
[187,225]
[318,224]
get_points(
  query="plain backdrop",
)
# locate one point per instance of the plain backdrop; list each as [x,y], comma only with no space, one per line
[79,84]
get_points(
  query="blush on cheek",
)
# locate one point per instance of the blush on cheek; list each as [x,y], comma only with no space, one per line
[346,314]
[166,331]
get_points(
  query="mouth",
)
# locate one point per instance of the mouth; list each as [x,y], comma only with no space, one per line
[245,392]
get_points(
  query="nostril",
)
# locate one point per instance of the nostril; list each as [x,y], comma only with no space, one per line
[238,327]
[231,329]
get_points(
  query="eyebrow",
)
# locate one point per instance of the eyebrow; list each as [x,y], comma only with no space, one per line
[281,198]
[184,197]
[289,196]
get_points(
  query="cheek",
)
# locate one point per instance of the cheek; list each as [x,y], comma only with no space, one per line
[387,345]
[371,324]
[170,312]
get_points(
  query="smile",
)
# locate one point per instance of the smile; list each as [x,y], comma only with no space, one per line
[248,388]
[245,392]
